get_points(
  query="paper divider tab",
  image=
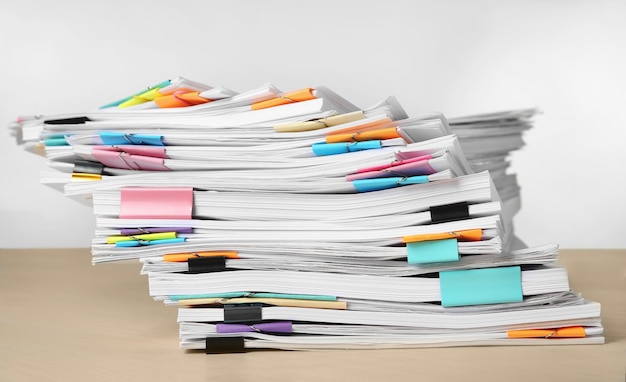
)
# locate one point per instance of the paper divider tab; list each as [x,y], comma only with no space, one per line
[481,286]
[156,203]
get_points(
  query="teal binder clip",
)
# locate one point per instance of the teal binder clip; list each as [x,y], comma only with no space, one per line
[114,138]
[481,286]
[433,251]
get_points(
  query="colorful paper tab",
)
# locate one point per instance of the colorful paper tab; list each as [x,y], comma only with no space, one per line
[408,169]
[84,177]
[297,303]
[366,126]
[55,142]
[183,257]
[141,150]
[481,286]
[463,235]
[394,163]
[156,203]
[435,251]
[376,184]
[140,243]
[285,98]
[255,294]
[181,99]
[144,236]
[568,332]
[262,327]
[323,149]
[116,159]
[360,136]
[117,103]
[116,138]
[137,231]
[320,123]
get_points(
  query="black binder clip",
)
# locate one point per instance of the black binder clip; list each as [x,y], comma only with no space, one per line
[221,345]
[67,121]
[206,264]
[88,167]
[449,212]
[243,313]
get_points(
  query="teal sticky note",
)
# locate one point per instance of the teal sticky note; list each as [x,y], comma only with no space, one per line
[481,286]
[433,251]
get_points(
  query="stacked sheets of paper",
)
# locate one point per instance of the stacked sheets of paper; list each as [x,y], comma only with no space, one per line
[297,220]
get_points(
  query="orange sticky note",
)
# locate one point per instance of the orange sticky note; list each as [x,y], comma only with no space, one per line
[182,257]
[296,96]
[368,135]
[568,332]
[465,235]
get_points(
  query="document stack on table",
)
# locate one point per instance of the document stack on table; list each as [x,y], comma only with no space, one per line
[297,220]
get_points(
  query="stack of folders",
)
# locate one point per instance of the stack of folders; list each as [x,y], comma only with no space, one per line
[297,220]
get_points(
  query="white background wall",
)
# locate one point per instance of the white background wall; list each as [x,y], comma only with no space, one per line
[459,57]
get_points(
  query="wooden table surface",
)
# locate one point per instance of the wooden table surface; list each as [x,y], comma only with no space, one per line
[63,319]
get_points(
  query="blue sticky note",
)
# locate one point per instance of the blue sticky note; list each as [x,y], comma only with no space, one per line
[433,251]
[481,286]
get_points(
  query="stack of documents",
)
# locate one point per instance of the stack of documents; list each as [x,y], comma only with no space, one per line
[297,220]
[488,140]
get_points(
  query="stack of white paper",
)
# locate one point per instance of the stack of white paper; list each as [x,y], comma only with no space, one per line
[298,220]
